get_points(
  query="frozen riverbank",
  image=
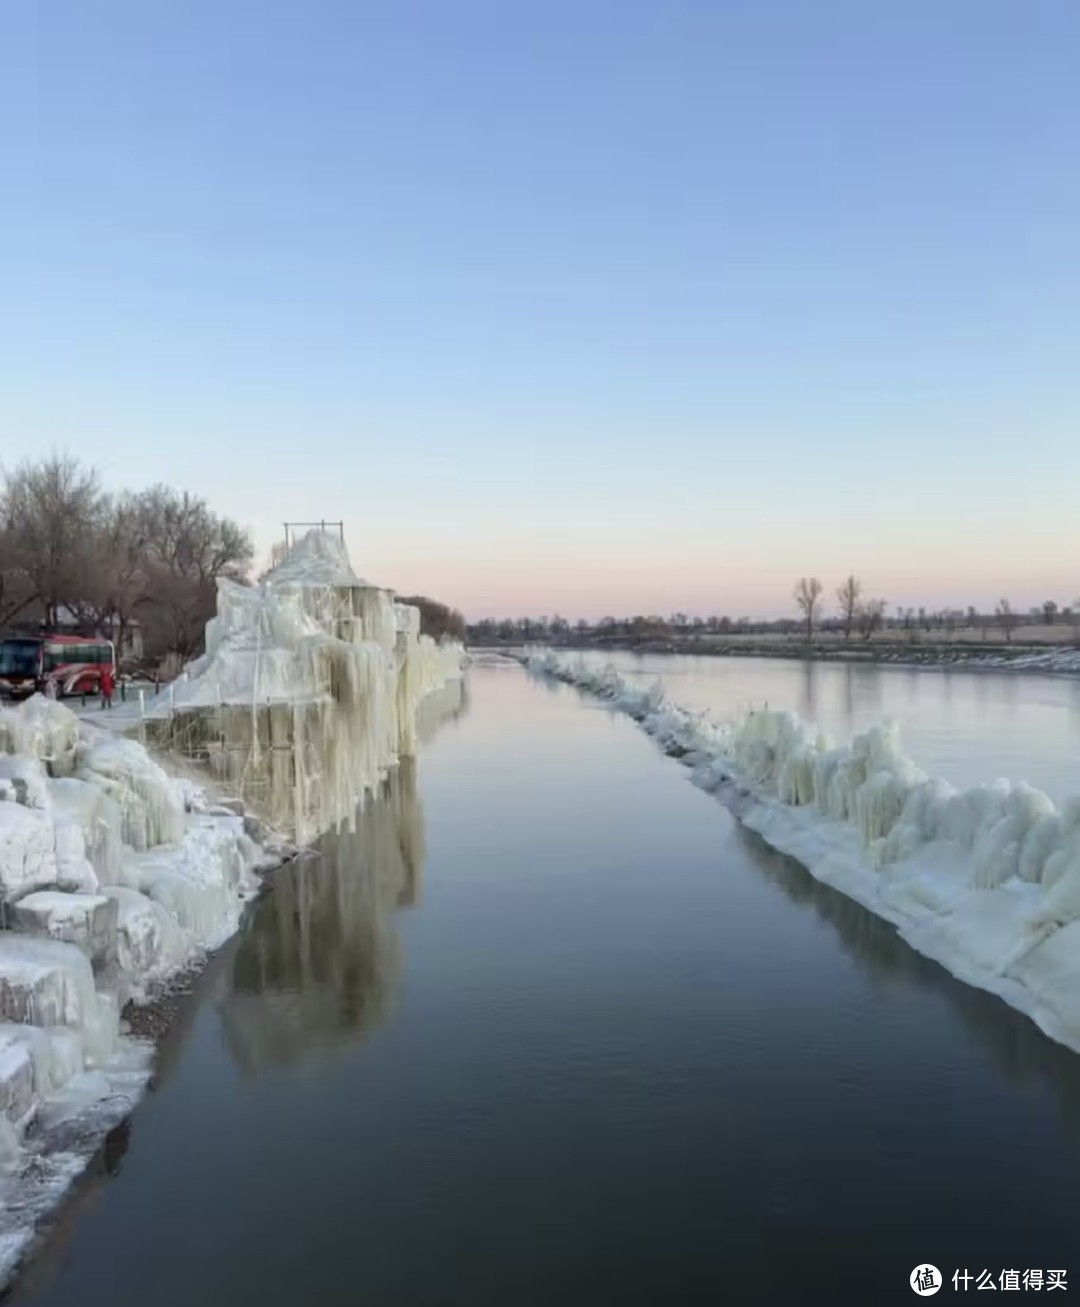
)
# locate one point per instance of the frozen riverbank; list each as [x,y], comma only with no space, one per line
[1051,660]
[986,881]
[116,877]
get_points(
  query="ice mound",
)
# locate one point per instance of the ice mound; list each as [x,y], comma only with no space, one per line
[44,982]
[41,729]
[90,808]
[985,881]
[317,558]
[150,804]
[54,1055]
[150,945]
[204,882]
[85,920]
[27,850]
[23,780]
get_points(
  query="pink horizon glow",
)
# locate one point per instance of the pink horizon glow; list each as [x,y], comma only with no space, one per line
[487,583]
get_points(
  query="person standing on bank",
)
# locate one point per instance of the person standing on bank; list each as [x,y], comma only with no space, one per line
[106,683]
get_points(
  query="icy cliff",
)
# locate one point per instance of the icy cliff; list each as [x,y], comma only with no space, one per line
[986,881]
[308,691]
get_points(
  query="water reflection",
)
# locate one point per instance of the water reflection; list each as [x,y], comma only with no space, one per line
[808,696]
[320,961]
[1015,1044]
[441,707]
[316,966]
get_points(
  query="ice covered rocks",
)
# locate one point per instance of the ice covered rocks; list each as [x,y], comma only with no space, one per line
[90,809]
[16,1082]
[151,805]
[27,850]
[43,730]
[47,982]
[23,780]
[55,1054]
[149,943]
[203,881]
[86,920]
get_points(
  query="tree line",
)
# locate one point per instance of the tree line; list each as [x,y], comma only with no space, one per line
[73,555]
[858,612]
[853,615]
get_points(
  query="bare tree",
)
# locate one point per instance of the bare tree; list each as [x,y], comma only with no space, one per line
[871,614]
[1049,612]
[188,549]
[17,591]
[1007,619]
[848,595]
[906,619]
[52,511]
[807,592]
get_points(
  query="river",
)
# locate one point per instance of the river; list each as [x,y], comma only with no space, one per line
[550,1027]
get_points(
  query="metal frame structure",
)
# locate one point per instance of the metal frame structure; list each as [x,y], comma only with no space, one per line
[293,527]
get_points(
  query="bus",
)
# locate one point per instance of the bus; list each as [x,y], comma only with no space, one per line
[73,663]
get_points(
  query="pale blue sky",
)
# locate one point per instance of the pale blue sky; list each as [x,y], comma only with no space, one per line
[593,306]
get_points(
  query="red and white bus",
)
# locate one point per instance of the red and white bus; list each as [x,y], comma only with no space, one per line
[72,662]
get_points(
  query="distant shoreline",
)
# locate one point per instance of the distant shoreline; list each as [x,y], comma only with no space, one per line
[1041,659]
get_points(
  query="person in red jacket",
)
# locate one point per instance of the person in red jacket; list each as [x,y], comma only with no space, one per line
[106,682]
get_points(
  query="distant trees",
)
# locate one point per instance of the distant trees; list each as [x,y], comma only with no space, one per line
[871,614]
[807,592]
[1007,619]
[68,548]
[51,514]
[848,595]
[855,612]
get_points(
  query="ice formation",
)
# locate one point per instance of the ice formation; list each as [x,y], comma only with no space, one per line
[308,691]
[115,875]
[985,881]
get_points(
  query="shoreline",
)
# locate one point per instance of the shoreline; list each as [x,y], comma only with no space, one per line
[1043,660]
[984,881]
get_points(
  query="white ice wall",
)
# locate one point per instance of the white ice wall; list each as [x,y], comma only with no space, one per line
[986,881]
[349,661]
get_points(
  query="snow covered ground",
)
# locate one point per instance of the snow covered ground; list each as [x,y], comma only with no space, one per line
[985,881]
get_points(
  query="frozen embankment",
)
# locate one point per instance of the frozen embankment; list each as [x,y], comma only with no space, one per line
[985,881]
[115,876]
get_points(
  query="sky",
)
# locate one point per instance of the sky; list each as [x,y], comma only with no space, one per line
[575,306]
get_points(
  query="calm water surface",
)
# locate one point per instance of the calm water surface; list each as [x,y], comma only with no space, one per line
[549,1027]
[966,726]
